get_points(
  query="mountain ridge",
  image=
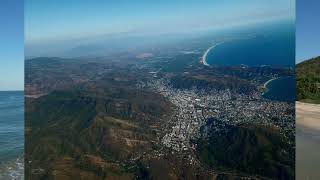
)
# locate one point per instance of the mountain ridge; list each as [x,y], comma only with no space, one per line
[308,80]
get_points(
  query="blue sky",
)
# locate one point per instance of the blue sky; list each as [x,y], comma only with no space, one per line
[60,19]
[11,45]
[307,29]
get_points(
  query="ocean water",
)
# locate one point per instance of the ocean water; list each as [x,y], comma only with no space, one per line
[11,135]
[261,45]
[281,89]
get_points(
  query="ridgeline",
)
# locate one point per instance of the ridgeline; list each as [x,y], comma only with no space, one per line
[308,81]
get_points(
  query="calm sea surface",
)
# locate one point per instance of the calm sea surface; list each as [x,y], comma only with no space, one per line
[281,89]
[11,135]
[273,45]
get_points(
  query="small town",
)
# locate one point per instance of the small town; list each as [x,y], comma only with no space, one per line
[194,108]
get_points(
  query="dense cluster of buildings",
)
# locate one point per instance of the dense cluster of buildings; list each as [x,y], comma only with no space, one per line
[194,108]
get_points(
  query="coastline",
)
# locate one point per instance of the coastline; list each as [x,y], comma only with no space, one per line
[12,168]
[204,57]
[266,84]
[35,96]
[276,89]
[269,81]
[12,154]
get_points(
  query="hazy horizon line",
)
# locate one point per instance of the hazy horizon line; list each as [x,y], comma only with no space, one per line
[272,19]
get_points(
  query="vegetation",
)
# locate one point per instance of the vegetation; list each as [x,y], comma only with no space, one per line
[208,83]
[248,149]
[90,119]
[308,81]
[72,132]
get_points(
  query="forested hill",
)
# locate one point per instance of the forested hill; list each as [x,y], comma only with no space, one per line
[308,80]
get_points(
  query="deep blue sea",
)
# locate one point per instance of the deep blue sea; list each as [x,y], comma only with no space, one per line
[272,44]
[11,135]
[281,89]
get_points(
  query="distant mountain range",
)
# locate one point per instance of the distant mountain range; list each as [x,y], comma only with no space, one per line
[308,81]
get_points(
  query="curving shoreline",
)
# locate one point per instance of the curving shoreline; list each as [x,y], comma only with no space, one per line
[265,85]
[204,57]
[269,81]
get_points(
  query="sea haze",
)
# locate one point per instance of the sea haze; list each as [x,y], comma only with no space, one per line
[272,45]
[11,134]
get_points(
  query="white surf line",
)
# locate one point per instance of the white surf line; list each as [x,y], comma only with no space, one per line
[204,57]
[35,95]
[266,83]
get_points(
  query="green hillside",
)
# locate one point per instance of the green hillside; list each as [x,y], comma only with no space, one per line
[308,81]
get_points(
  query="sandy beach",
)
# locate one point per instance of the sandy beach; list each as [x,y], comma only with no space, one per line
[35,96]
[308,116]
[266,84]
[269,81]
[204,57]
[307,141]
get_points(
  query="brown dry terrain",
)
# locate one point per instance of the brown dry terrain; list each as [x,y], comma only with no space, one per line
[93,119]
[307,141]
[308,116]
